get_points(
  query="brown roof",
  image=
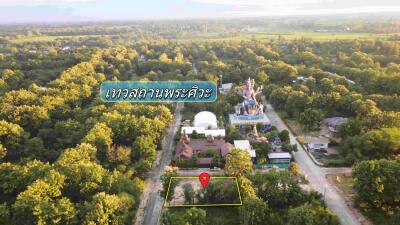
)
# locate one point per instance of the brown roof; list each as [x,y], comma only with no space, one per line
[187,151]
[226,148]
[202,145]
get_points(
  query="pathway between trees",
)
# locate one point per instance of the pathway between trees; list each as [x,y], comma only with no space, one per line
[317,175]
[151,203]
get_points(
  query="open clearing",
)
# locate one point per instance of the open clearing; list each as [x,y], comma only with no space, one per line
[224,197]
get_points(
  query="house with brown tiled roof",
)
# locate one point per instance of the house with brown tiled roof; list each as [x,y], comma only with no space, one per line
[186,148]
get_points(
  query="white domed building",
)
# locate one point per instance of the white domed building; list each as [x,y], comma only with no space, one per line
[205,119]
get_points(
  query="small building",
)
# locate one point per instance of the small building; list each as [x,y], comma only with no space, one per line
[225,88]
[142,58]
[43,88]
[300,79]
[279,158]
[333,123]
[276,142]
[205,119]
[66,49]
[206,132]
[245,146]
[316,143]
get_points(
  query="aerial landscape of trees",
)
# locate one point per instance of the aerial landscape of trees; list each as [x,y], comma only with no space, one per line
[66,157]
[80,154]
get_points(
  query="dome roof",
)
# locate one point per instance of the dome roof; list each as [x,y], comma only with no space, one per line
[205,119]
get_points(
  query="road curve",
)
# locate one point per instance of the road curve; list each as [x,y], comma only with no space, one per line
[316,175]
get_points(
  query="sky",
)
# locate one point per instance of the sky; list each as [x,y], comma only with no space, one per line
[21,11]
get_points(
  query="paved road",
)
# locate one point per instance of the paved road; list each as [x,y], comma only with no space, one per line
[151,202]
[336,170]
[316,174]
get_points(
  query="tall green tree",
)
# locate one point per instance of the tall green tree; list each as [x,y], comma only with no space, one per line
[105,209]
[196,216]
[375,144]
[376,183]
[42,203]
[253,212]
[101,137]
[311,118]
[84,176]
[309,214]
[238,163]
[11,139]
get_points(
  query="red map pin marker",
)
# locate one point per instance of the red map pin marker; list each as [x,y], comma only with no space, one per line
[204,179]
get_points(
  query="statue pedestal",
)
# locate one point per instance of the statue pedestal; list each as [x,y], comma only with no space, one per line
[239,120]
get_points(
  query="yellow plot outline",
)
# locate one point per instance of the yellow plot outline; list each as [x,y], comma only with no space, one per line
[202,205]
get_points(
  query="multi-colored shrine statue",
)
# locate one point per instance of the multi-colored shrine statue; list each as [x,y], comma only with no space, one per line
[249,111]
[250,108]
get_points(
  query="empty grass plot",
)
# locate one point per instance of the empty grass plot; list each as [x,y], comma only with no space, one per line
[188,191]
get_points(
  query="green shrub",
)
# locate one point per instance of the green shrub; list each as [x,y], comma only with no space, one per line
[181,163]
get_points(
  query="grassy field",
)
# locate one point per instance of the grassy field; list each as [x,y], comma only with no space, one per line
[47,38]
[242,36]
[295,126]
[267,36]
[344,182]
[24,39]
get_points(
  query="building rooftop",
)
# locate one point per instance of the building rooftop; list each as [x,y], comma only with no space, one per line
[205,119]
[203,130]
[335,121]
[227,86]
[279,155]
[245,145]
[189,130]
[199,145]
[242,144]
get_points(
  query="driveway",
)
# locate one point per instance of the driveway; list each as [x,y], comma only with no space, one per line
[316,175]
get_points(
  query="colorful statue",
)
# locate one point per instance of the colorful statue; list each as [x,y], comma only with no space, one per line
[249,106]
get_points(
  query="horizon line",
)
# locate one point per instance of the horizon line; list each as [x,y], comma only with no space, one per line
[206,18]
